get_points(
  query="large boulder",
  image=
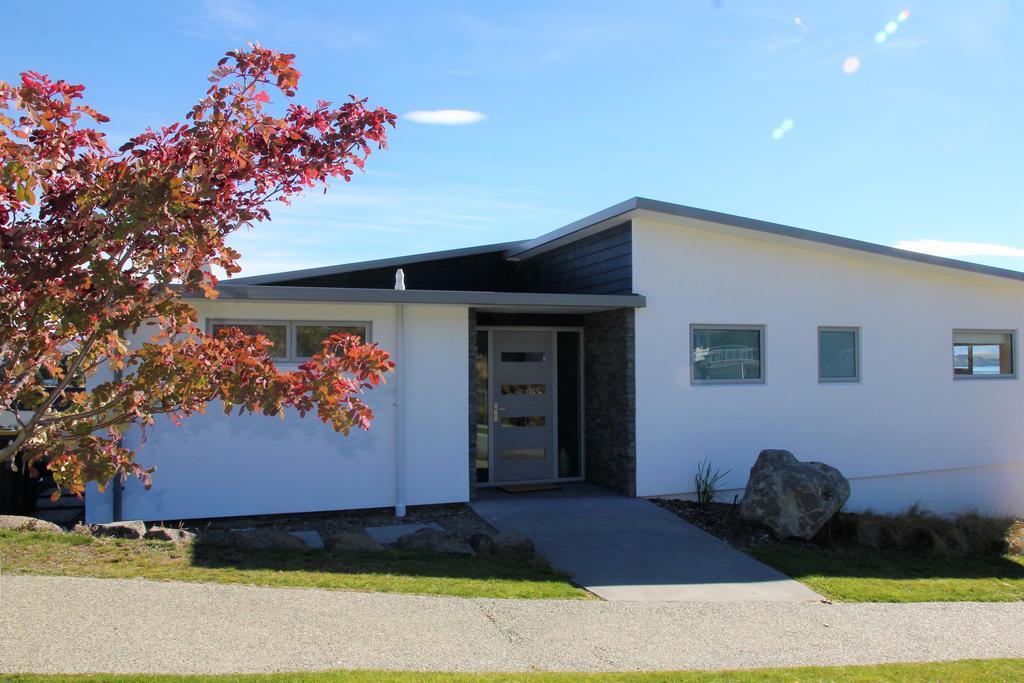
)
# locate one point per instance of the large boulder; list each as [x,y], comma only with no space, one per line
[19,523]
[132,529]
[792,498]
[434,541]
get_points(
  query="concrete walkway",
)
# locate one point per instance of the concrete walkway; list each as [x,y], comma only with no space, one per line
[70,625]
[631,549]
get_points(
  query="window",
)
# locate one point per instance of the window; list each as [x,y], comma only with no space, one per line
[727,353]
[523,389]
[276,333]
[569,363]
[531,421]
[838,354]
[309,337]
[523,357]
[293,342]
[483,408]
[983,353]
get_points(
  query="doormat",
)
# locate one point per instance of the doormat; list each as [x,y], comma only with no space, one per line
[529,488]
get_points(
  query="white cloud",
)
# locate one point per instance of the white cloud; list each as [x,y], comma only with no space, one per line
[233,13]
[959,249]
[445,117]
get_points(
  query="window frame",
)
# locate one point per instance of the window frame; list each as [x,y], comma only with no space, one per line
[856,379]
[290,326]
[295,324]
[232,322]
[1014,355]
[762,331]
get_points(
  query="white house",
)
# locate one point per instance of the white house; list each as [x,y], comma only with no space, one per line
[623,349]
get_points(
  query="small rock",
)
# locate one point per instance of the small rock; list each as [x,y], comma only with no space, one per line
[512,545]
[132,529]
[792,498]
[482,544]
[436,541]
[353,542]
[264,539]
[162,533]
[19,523]
[388,534]
[310,537]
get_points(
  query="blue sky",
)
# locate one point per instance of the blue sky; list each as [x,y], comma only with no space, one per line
[579,105]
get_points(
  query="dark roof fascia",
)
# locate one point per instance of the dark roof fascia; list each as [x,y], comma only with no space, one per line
[394,262]
[580,228]
[424,296]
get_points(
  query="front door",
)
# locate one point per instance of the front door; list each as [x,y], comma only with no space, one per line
[523,406]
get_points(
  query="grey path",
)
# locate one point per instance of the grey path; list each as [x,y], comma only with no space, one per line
[631,549]
[66,625]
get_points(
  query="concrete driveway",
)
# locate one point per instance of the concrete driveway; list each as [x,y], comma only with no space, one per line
[630,549]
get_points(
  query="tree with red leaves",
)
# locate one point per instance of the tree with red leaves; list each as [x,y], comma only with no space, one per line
[97,245]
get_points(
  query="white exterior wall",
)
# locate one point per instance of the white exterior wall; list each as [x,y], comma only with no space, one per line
[906,432]
[216,465]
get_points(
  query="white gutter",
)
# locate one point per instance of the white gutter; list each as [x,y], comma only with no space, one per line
[399,400]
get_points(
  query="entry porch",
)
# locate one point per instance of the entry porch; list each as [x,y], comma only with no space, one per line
[552,398]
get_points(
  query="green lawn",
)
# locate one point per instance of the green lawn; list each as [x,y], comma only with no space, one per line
[394,571]
[898,576]
[968,670]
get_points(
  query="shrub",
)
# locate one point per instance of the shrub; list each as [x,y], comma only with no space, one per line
[706,482]
[1015,538]
[918,530]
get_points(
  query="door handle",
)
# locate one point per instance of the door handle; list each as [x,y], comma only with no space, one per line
[496,411]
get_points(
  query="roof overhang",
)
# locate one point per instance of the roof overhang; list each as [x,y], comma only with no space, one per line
[641,207]
[395,262]
[521,302]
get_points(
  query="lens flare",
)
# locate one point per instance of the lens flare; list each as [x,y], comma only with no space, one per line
[784,127]
[891,27]
[903,16]
[880,37]
[851,65]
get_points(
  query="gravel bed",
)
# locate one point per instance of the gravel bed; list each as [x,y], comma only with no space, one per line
[457,519]
[718,519]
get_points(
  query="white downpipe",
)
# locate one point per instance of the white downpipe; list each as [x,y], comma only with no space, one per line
[399,401]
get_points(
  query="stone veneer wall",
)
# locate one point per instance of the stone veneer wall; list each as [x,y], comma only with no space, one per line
[472,403]
[610,400]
